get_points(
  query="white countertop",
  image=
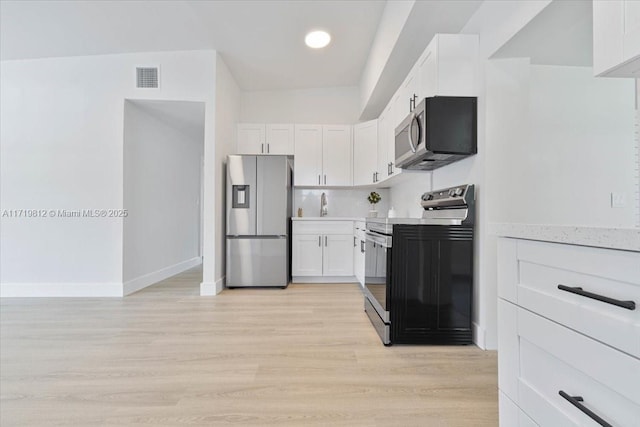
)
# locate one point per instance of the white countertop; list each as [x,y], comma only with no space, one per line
[327,218]
[601,237]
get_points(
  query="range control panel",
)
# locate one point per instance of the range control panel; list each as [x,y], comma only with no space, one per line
[458,196]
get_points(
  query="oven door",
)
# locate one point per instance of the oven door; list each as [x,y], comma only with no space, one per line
[377,272]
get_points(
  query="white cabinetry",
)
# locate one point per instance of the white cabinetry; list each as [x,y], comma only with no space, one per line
[567,328]
[383,146]
[308,155]
[322,251]
[365,153]
[260,138]
[408,94]
[323,156]
[448,66]
[358,250]
[336,155]
[616,38]
[307,254]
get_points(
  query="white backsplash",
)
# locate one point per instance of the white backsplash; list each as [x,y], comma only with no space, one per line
[405,197]
[340,203]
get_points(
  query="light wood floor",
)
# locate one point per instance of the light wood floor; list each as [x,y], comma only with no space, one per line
[302,356]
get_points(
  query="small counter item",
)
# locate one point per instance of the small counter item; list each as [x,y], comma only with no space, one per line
[299,212]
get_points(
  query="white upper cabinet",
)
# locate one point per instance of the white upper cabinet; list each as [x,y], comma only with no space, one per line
[365,153]
[280,139]
[251,138]
[308,155]
[322,156]
[449,66]
[616,38]
[336,155]
[408,93]
[260,138]
[386,144]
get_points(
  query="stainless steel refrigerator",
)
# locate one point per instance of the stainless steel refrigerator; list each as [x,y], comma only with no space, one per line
[258,220]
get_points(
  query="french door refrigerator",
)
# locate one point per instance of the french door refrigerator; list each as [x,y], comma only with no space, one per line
[258,218]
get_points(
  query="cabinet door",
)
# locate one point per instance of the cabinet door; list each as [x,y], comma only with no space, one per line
[410,88]
[306,259]
[308,155]
[390,141]
[358,260]
[280,139]
[428,71]
[251,138]
[383,167]
[336,155]
[338,255]
[365,153]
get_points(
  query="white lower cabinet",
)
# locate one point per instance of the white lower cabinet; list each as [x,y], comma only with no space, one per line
[358,251]
[307,255]
[322,251]
[568,335]
[337,256]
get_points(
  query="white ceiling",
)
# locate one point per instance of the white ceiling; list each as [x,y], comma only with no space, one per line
[262,42]
[562,34]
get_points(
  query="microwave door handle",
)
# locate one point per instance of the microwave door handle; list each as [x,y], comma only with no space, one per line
[411,144]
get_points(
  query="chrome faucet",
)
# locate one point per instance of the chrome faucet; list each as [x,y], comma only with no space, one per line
[323,205]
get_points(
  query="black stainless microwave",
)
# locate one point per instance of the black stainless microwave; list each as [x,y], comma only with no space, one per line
[439,131]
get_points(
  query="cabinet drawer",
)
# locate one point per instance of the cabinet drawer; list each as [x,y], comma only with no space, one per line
[542,267]
[554,358]
[323,227]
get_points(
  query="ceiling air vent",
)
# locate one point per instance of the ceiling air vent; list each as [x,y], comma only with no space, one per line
[147,77]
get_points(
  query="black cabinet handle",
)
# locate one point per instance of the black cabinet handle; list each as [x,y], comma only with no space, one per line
[361,246]
[575,401]
[354,241]
[629,305]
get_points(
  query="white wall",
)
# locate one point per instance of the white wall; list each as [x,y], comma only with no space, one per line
[340,203]
[163,147]
[575,150]
[61,148]
[405,196]
[336,105]
[227,115]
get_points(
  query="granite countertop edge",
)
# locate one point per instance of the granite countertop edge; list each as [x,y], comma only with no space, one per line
[601,237]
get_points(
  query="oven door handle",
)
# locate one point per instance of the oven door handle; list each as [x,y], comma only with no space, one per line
[384,241]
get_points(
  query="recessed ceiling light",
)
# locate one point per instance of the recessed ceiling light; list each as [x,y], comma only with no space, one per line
[317,39]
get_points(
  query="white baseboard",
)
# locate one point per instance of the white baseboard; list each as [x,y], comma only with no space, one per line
[212,288]
[324,279]
[142,282]
[479,336]
[44,289]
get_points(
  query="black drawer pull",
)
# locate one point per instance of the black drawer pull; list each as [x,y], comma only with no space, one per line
[575,401]
[629,305]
